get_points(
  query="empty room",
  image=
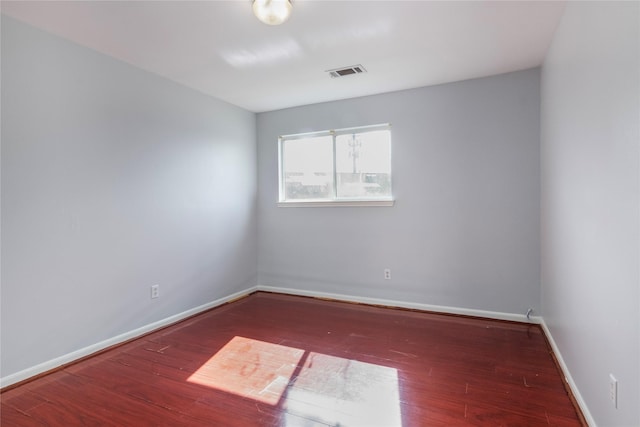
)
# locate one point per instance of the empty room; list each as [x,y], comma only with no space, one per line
[320,213]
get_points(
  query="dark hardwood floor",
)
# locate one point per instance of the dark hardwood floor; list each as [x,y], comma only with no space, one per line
[277,360]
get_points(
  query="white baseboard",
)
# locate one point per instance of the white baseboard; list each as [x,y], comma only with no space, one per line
[403,304]
[94,348]
[567,376]
[452,310]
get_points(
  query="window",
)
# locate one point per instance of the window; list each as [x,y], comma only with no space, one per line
[346,166]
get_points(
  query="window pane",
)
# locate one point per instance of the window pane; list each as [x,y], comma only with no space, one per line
[308,168]
[363,165]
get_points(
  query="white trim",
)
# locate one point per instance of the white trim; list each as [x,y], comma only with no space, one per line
[402,304]
[567,376]
[336,203]
[89,350]
[94,348]
[333,201]
[342,131]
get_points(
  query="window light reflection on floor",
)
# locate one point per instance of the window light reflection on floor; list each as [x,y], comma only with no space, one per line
[327,389]
[337,391]
[250,368]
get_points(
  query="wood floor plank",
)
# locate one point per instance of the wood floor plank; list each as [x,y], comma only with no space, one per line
[278,360]
[13,417]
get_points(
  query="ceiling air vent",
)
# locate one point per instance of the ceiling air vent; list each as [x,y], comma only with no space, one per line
[347,71]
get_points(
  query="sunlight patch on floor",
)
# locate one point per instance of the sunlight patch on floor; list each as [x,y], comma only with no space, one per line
[327,390]
[250,368]
[341,392]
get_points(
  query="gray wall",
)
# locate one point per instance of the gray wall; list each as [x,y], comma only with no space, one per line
[590,202]
[465,228]
[113,179]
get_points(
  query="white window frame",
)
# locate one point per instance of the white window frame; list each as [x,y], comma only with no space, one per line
[334,201]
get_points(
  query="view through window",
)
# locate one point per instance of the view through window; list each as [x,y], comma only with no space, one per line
[339,165]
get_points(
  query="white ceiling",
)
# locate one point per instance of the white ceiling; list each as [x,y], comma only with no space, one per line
[221,49]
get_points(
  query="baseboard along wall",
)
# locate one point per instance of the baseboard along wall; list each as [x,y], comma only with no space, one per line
[567,376]
[70,358]
[514,317]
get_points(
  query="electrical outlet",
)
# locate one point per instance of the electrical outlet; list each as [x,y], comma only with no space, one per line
[155,291]
[613,390]
[387,274]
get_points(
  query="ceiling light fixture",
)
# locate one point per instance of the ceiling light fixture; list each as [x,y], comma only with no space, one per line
[272,12]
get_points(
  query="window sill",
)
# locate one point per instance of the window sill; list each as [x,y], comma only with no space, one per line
[336,203]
